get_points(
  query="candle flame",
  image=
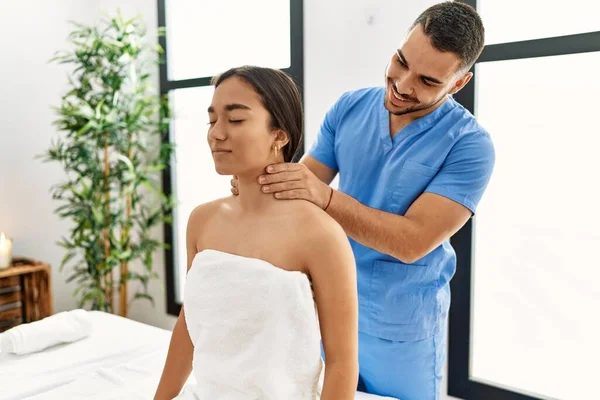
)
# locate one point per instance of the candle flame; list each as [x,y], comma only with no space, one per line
[2,238]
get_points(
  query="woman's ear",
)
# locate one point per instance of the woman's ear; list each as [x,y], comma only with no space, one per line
[281,138]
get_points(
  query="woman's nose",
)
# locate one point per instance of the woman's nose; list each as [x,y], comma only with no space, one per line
[217,131]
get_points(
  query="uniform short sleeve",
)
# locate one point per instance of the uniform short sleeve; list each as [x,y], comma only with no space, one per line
[323,148]
[467,170]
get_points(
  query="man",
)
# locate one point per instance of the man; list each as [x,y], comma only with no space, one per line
[413,166]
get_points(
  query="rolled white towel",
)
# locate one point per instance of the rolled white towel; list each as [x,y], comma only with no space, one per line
[64,327]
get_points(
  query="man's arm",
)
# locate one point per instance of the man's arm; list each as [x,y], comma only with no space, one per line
[429,221]
[435,216]
[321,171]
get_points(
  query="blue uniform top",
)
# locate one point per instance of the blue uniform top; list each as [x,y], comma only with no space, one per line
[445,152]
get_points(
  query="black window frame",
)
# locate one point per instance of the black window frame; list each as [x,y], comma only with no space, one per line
[296,71]
[459,383]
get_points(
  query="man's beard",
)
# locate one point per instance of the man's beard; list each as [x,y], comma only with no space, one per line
[411,109]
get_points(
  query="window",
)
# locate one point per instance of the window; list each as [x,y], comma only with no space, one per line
[535,274]
[524,296]
[209,37]
[204,39]
[517,20]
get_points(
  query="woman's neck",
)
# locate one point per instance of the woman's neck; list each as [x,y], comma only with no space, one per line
[251,197]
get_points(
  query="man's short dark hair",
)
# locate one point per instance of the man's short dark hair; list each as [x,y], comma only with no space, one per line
[455,27]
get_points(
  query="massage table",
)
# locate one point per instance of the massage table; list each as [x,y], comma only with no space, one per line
[120,360]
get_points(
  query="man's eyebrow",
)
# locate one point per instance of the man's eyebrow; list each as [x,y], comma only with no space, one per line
[429,78]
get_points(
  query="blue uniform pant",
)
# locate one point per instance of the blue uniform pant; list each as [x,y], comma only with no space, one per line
[402,370]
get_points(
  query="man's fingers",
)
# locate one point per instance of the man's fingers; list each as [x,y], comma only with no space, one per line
[280,177]
[283,186]
[283,167]
[292,194]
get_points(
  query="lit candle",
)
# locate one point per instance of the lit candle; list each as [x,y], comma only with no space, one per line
[5,251]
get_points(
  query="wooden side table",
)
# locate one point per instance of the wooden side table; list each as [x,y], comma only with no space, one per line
[25,293]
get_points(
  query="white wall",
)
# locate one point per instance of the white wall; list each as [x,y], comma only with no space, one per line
[347,46]
[31,31]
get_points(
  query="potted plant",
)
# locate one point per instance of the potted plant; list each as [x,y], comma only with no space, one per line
[110,124]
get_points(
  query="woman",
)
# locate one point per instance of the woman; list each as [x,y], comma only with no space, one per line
[248,322]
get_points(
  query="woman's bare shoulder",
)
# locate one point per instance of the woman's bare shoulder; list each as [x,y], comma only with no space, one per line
[324,249]
[317,229]
[206,211]
[311,215]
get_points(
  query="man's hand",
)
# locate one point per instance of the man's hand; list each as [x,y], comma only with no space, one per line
[295,181]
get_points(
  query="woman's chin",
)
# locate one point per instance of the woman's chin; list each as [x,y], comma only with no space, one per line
[223,171]
[240,169]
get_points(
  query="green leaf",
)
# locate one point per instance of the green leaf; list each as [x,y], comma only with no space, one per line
[155,168]
[74,276]
[124,255]
[85,128]
[144,296]
[65,243]
[127,162]
[68,257]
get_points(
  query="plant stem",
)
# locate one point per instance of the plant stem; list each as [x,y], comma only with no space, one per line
[125,237]
[108,277]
